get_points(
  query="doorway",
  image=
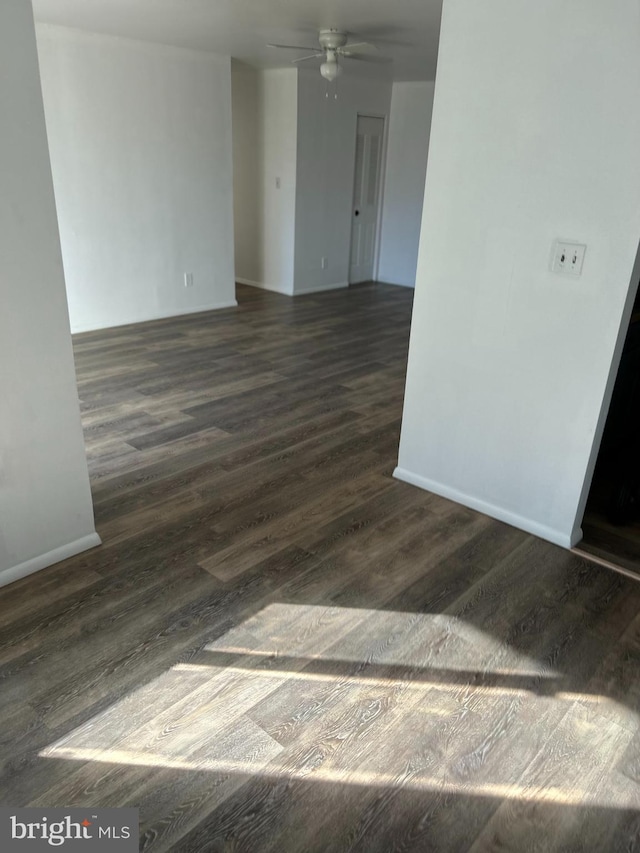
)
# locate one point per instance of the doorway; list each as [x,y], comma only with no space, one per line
[366,198]
[611,523]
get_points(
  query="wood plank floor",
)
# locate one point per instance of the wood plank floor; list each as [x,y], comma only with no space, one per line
[279,647]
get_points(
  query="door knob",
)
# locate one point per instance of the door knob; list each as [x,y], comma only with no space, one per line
[357,213]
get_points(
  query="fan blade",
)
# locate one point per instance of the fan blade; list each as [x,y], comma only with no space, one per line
[305,58]
[363,46]
[361,57]
[293,46]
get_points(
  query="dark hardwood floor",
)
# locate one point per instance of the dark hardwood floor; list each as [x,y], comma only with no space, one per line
[278,647]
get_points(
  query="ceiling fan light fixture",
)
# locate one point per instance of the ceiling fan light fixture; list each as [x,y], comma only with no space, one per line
[334,45]
[330,69]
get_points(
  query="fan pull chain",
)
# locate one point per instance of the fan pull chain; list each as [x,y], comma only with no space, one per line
[335,93]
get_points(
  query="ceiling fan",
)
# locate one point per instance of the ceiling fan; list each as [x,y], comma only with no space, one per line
[335,45]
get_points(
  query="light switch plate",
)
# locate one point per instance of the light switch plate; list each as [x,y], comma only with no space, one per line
[568,258]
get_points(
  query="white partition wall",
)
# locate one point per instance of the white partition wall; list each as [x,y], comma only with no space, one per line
[140,140]
[265,122]
[293,202]
[535,137]
[409,127]
[45,501]
[277,187]
[326,167]
[246,104]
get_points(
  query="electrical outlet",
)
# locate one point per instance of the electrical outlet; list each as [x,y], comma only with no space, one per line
[568,258]
[324,263]
[188,279]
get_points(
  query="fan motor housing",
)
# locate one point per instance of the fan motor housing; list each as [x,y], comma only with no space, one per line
[332,39]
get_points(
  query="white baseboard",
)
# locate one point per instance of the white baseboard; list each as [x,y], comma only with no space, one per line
[321,288]
[48,559]
[163,315]
[275,288]
[201,309]
[515,520]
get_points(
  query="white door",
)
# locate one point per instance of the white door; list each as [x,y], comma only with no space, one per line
[366,196]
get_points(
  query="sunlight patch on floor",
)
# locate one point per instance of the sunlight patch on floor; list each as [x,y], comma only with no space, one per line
[364,697]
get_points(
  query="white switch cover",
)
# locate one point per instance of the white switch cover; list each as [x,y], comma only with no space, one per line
[568,258]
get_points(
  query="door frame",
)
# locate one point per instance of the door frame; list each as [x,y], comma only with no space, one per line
[382,178]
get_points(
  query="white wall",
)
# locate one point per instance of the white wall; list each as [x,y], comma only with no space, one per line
[326,160]
[140,141]
[247,170]
[45,502]
[407,146]
[278,136]
[307,141]
[535,136]
[265,112]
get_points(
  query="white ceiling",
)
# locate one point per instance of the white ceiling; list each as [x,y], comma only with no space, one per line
[404,30]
